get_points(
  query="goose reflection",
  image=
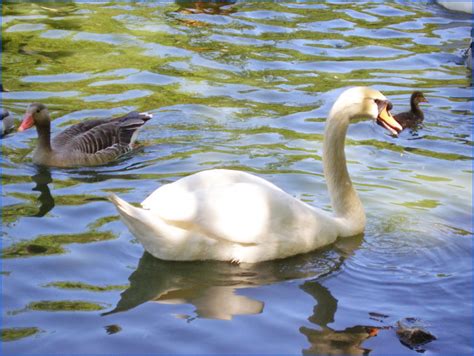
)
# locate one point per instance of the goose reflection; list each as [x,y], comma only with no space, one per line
[212,286]
[325,340]
[42,178]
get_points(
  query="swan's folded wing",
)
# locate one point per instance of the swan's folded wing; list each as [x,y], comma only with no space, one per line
[244,213]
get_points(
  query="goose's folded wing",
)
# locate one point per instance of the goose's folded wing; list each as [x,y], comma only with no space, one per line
[90,137]
[73,132]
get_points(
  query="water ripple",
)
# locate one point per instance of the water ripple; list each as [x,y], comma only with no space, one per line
[242,85]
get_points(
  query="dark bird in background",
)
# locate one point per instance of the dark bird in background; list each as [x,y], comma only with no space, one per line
[414,117]
[7,123]
[7,120]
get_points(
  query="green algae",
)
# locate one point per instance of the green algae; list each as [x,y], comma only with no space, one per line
[64,305]
[14,334]
[84,286]
[53,244]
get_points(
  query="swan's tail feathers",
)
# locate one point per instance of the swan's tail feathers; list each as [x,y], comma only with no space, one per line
[157,237]
[133,217]
[119,203]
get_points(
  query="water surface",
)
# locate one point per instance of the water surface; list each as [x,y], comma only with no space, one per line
[244,86]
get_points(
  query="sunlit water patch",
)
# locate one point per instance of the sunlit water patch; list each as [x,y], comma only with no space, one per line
[242,85]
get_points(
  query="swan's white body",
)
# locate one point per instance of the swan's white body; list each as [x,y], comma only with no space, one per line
[236,216]
[461,6]
[226,215]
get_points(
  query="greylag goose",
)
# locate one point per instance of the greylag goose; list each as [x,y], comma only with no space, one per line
[7,122]
[88,143]
[414,117]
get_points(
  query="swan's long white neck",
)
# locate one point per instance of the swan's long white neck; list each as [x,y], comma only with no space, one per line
[346,204]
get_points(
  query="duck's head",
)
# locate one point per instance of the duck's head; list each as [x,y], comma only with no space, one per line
[418,97]
[36,114]
[366,102]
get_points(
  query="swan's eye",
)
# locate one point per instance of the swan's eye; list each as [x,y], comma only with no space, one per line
[382,104]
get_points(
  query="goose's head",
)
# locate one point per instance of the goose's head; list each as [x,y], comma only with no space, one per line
[36,114]
[363,103]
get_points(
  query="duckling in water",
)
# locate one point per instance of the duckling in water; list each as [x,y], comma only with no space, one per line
[414,117]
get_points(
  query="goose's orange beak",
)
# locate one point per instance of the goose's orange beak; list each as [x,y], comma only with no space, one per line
[26,123]
[386,120]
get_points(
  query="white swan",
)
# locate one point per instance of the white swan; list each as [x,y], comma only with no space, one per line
[461,6]
[235,216]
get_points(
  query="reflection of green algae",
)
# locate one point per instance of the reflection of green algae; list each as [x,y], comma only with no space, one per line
[421,204]
[117,190]
[102,221]
[69,199]
[378,168]
[457,231]
[395,223]
[52,244]
[85,286]
[417,151]
[58,184]
[64,305]
[11,213]
[12,334]
[14,179]
[432,178]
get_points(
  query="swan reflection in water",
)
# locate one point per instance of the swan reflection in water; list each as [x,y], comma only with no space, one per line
[212,287]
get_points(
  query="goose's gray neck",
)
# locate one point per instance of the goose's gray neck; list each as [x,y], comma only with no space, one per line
[43,148]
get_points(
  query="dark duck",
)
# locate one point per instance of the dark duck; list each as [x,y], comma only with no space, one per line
[414,117]
[7,124]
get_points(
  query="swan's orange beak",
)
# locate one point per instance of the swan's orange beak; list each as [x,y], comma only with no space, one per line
[386,120]
[26,123]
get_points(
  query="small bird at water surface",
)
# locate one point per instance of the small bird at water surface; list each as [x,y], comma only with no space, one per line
[414,117]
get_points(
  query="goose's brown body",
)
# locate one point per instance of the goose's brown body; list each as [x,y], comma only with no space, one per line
[88,143]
